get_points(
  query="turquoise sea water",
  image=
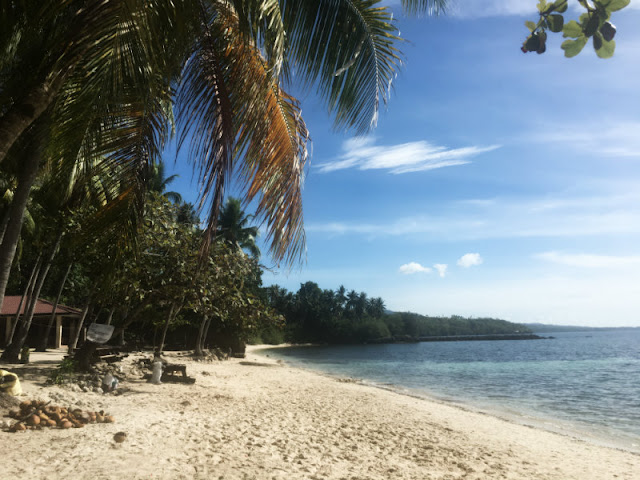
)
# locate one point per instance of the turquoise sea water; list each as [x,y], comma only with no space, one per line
[584,384]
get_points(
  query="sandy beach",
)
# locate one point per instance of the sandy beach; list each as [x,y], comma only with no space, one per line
[256,418]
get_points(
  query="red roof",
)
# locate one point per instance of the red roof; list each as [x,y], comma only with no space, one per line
[43,307]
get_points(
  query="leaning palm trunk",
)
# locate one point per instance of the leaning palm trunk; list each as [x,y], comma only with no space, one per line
[173,312]
[204,326]
[13,349]
[27,292]
[21,115]
[17,209]
[85,313]
[44,340]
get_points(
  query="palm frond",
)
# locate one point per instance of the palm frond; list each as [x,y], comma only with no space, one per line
[262,23]
[347,48]
[231,106]
[430,7]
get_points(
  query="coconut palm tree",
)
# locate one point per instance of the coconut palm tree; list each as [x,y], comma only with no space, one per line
[234,229]
[108,75]
[158,182]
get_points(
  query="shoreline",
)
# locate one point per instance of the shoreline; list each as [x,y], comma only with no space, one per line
[256,418]
[585,432]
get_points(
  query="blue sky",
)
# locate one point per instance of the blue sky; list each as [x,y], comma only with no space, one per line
[495,184]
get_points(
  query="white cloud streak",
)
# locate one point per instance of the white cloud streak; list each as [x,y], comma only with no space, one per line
[500,8]
[550,216]
[363,154]
[470,260]
[491,8]
[413,268]
[608,139]
[586,260]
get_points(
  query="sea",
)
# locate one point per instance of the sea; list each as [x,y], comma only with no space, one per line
[585,384]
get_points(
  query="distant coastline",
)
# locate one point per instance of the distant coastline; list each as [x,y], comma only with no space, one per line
[547,328]
[459,338]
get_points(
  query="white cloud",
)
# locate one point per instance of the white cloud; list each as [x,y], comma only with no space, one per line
[470,260]
[413,267]
[362,153]
[441,268]
[586,260]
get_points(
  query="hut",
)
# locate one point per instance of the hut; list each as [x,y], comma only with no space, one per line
[66,321]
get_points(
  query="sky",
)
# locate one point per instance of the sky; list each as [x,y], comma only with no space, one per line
[496,183]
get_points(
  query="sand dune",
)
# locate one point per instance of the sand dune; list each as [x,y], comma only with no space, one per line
[257,419]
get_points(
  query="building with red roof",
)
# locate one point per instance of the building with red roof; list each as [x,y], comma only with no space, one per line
[65,321]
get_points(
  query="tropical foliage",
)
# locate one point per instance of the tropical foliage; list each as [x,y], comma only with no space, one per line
[594,23]
[92,90]
[326,316]
[234,228]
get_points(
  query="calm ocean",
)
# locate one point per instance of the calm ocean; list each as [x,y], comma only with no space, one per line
[584,384]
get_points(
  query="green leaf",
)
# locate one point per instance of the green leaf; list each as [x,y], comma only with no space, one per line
[530,25]
[542,6]
[616,5]
[573,47]
[592,25]
[561,6]
[556,22]
[597,41]
[533,43]
[606,49]
[572,29]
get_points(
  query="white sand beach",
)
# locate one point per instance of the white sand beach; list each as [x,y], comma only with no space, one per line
[258,419]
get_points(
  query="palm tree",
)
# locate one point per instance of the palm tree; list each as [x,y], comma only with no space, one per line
[158,183]
[234,229]
[102,79]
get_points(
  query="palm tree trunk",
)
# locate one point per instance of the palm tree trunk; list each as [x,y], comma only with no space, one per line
[85,312]
[166,327]
[199,350]
[23,113]
[45,337]
[12,351]
[27,292]
[27,176]
[206,333]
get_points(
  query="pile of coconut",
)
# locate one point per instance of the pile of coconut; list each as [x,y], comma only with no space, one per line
[37,414]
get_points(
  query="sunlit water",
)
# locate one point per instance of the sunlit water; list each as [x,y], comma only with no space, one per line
[584,384]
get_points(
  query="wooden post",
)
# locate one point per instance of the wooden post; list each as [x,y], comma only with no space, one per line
[7,330]
[58,332]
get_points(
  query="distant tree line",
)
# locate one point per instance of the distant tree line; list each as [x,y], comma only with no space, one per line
[314,315]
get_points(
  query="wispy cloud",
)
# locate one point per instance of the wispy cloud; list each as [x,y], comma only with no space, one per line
[363,154]
[548,216]
[586,260]
[610,139]
[441,268]
[500,8]
[491,8]
[412,268]
[470,260]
